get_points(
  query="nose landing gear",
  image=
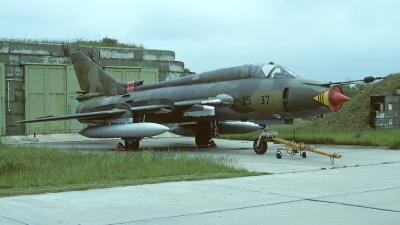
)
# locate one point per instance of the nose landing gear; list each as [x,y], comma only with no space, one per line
[260,144]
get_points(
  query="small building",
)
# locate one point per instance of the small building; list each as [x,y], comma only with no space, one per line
[38,79]
[385,111]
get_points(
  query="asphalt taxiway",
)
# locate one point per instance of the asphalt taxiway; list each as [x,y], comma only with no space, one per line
[362,187]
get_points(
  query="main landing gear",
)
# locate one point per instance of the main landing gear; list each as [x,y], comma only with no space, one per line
[207,130]
[130,145]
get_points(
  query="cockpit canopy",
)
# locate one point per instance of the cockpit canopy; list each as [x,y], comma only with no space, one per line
[271,71]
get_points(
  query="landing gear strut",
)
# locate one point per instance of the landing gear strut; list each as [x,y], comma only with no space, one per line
[260,145]
[207,130]
[202,139]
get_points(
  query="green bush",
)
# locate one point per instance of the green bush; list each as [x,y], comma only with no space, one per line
[110,42]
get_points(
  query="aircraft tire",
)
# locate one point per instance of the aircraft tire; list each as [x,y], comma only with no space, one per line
[262,148]
[202,139]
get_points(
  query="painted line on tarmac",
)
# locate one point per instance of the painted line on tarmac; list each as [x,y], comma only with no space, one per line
[354,205]
[206,212]
[9,218]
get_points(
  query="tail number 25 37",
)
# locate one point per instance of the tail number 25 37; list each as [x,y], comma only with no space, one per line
[264,100]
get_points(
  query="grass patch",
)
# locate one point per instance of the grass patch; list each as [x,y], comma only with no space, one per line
[34,170]
[394,144]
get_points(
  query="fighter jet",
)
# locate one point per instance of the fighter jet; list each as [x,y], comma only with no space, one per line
[232,100]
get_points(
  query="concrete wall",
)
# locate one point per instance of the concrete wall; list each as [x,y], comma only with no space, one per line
[385,111]
[15,54]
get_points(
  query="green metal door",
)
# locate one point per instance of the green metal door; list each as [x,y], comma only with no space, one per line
[73,126]
[149,76]
[124,74]
[2,102]
[45,94]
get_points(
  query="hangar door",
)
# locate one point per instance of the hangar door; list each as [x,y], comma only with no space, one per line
[45,94]
[51,90]
[126,74]
[2,102]
[73,126]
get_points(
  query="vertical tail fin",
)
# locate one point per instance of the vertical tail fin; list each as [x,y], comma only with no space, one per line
[93,79]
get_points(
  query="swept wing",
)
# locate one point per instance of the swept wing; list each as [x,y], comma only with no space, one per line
[159,106]
[89,115]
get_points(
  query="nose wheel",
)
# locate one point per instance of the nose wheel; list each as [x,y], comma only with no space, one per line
[260,146]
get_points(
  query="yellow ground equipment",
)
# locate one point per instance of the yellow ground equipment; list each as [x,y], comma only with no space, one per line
[293,148]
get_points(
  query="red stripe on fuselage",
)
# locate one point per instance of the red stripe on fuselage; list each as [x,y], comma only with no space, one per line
[130,86]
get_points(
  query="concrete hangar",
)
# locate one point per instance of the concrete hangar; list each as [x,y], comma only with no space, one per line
[38,79]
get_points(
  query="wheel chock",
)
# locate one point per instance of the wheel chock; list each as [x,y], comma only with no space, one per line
[212,144]
[120,147]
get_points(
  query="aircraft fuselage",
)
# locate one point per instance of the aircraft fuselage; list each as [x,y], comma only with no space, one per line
[254,97]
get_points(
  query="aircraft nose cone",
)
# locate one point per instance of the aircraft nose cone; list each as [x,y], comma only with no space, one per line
[333,98]
[336,98]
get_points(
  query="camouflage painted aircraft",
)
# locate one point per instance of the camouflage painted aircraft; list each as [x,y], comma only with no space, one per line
[201,103]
